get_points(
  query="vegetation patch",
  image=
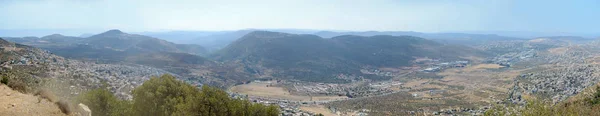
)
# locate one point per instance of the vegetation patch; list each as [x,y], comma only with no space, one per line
[165,95]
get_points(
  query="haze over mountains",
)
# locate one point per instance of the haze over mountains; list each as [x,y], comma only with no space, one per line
[215,40]
[312,58]
[261,53]
[351,64]
[300,57]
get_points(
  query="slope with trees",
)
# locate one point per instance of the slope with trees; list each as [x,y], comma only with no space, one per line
[166,96]
[312,58]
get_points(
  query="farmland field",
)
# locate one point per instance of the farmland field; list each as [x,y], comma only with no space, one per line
[264,89]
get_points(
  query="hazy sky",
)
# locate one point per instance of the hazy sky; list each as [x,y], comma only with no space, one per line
[577,16]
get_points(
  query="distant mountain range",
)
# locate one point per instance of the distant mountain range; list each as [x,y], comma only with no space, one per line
[313,58]
[112,39]
[216,40]
[250,54]
[114,46]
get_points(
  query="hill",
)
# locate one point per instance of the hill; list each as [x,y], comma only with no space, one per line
[112,39]
[27,69]
[215,40]
[115,46]
[47,41]
[450,38]
[117,40]
[312,58]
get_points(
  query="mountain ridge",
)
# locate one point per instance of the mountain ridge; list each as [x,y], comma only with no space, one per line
[305,55]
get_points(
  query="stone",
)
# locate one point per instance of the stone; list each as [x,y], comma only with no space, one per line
[86,110]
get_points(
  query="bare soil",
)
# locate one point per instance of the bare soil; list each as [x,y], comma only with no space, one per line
[13,103]
[260,89]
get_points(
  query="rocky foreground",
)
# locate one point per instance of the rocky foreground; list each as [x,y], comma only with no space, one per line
[14,103]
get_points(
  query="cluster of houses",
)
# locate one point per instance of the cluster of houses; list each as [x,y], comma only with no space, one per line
[444,65]
[509,58]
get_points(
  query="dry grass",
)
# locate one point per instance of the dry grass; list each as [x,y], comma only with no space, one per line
[594,60]
[482,67]
[64,106]
[45,94]
[18,86]
[558,50]
[472,84]
[18,104]
[12,49]
[538,40]
[474,58]
[416,82]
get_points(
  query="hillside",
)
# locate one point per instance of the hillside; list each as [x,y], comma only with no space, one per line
[27,70]
[115,46]
[112,39]
[450,38]
[117,40]
[312,58]
[19,104]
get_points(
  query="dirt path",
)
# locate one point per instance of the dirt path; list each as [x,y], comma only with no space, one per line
[13,103]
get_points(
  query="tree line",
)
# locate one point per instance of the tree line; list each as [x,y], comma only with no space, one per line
[167,96]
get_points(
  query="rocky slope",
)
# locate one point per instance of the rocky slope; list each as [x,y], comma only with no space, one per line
[34,66]
[14,103]
[562,73]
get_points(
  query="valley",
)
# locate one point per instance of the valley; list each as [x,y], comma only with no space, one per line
[269,90]
[307,75]
[435,87]
[299,58]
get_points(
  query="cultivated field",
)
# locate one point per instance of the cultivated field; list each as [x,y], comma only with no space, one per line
[481,67]
[266,90]
[475,85]
[318,109]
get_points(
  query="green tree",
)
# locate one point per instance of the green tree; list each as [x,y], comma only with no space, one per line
[595,98]
[103,103]
[167,96]
[161,96]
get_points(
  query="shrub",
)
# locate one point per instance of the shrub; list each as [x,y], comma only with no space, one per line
[64,106]
[45,94]
[595,98]
[166,96]
[18,86]
[4,80]
[159,96]
[588,106]
[103,103]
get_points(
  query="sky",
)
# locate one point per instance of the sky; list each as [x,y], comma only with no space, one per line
[548,16]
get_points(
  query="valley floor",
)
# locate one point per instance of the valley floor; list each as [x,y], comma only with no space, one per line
[267,90]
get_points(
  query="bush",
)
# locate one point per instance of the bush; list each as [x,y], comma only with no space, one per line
[4,80]
[103,103]
[18,86]
[64,106]
[45,94]
[159,96]
[595,98]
